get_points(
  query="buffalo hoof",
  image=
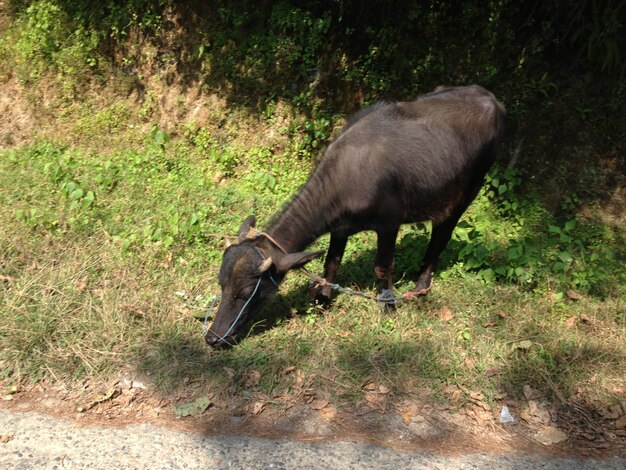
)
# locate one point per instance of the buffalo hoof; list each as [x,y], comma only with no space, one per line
[321,296]
[387,299]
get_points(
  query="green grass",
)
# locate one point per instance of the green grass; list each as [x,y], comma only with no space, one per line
[108,255]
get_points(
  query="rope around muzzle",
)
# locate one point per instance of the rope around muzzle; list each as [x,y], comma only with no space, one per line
[385,298]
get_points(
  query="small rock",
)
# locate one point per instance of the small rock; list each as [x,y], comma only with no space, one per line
[319,404]
[530,393]
[620,423]
[257,407]
[538,412]
[525,415]
[329,413]
[314,427]
[492,371]
[611,412]
[573,295]
[550,435]
[138,385]
[609,435]
[422,428]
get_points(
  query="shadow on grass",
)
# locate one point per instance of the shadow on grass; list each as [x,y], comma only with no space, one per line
[175,358]
[339,368]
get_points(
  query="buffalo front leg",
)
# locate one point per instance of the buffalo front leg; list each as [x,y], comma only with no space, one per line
[383,267]
[441,234]
[321,293]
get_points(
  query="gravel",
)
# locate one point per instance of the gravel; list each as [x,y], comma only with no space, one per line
[43,442]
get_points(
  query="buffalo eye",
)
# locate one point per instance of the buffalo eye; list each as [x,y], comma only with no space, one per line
[243,295]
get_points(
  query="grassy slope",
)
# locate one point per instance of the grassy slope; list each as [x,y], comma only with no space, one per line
[111,237]
[96,285]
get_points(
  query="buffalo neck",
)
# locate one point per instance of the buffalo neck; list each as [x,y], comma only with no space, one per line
[304,219]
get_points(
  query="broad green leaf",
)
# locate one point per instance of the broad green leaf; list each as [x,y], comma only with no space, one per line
[76,194]
[194,408]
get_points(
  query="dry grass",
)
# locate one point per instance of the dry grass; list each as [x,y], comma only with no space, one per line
[82,308]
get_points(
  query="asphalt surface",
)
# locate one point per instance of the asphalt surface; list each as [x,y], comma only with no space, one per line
[37,441]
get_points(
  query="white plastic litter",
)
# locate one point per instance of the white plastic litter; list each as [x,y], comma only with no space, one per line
[505,415]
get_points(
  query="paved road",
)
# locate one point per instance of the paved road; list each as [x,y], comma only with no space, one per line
[43,442]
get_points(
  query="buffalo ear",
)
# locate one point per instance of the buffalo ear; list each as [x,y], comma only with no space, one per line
[296,260]
[249,223]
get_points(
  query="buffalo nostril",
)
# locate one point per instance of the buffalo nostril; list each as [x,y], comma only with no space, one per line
[217,342]
[211,340]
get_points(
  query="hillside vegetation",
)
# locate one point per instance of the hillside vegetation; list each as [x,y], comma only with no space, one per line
[136,136]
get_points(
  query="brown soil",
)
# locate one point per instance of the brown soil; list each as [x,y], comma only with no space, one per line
[468,426]
[18,122]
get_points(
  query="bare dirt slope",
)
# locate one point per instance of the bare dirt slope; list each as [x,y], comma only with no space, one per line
[472,426]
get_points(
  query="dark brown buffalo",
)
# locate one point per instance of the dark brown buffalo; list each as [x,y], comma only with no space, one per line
[393,163]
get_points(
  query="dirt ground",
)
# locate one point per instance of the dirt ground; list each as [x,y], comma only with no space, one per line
[469,425]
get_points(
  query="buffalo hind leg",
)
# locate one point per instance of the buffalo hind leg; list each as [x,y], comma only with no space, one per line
[441,234]
[383,267]
[321,293]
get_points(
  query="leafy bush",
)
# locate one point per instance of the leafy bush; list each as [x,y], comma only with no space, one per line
[512,239]
[45,39]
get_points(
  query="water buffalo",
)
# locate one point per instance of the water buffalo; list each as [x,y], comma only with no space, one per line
[393,163]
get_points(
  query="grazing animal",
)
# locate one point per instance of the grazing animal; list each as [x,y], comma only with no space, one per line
[393,163]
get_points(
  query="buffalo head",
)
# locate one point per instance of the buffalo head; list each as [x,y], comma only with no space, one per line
[249,276]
